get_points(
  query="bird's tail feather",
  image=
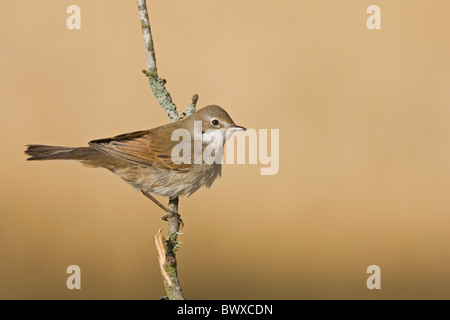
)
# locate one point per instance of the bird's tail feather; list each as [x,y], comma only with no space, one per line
[42,152]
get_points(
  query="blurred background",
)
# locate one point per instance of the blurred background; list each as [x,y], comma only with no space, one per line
[364,172]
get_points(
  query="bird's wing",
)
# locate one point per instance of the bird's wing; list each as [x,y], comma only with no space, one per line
[139,147]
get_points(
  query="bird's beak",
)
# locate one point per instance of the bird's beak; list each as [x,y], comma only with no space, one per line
[237,128]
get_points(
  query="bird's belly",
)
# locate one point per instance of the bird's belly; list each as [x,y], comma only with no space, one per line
[170,183]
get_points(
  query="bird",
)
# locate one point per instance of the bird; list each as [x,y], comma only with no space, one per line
[144,159]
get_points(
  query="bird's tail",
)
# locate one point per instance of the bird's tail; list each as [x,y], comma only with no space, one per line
[42,152]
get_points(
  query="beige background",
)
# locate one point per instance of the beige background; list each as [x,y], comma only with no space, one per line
[364,148]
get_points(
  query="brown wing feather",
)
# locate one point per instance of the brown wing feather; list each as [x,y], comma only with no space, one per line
[139,147]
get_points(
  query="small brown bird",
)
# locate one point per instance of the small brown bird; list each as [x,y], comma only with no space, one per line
[144,158]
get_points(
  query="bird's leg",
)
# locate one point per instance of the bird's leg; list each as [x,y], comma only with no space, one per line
[170,213]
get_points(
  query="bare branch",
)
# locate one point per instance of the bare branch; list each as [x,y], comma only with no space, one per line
[174,291]
[165,247]
[156,83]
[147,33]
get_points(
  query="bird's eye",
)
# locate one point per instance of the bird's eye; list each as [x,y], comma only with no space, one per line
[215,122]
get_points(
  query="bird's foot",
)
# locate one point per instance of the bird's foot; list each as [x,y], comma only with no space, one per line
[172,214]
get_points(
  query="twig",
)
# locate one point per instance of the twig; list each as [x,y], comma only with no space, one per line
[166,247]
[191,107]
[156,83]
